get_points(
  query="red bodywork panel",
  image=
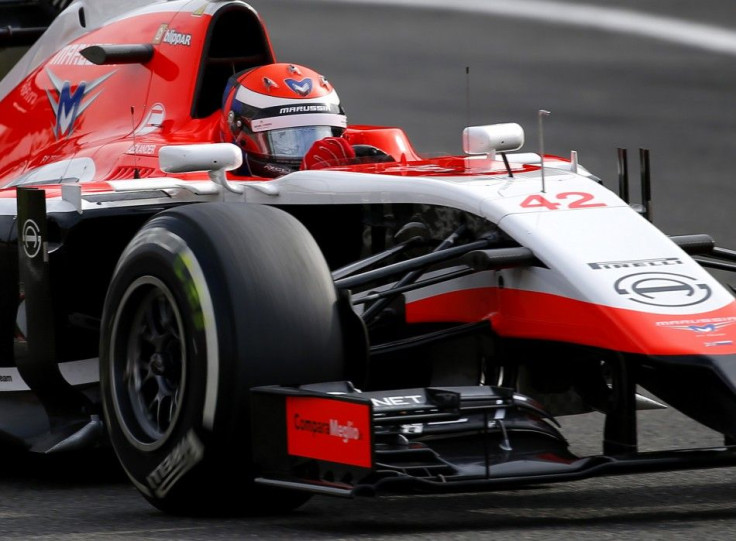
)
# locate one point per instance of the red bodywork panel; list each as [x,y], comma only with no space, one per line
[331,430]
[120,114]
[528,314]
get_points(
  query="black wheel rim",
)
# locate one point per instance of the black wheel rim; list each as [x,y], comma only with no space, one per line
[149,362]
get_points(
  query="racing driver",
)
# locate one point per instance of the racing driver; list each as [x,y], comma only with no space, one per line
[284,117]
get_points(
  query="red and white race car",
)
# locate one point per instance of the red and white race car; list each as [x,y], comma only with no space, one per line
[399,326]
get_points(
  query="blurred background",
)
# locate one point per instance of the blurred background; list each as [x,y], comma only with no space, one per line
[656,74]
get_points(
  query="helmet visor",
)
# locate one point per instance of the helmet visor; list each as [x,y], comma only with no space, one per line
[293,142]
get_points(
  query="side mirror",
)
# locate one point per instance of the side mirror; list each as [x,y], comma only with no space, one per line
[493,137]
[215,158]
[201,157]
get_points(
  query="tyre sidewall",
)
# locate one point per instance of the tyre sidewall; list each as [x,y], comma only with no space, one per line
[258,307]
[156,468]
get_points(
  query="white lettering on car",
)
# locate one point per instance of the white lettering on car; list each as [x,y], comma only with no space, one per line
[187,453]
[389,401]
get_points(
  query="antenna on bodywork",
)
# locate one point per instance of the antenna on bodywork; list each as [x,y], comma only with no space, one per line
[645,208]
[623,175]
[646,183]
[467,101]
[542,114]
[136,173]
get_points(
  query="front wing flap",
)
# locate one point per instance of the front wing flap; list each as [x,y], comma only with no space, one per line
[333,439]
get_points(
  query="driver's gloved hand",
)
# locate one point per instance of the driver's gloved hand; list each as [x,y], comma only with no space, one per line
[328,152]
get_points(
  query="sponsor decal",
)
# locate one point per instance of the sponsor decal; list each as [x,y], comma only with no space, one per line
[391,401]
[171,36]
[417,428]
[199,11]
[187,453]
[720,343]
[277,169]
[160,33]
[153,120]
[143,149]
[707,327]
[327,429]
[28,94]
[303,87]
[657,262]
[270,112]
[31,238]
[298,109]
[68,104]
[666,289]
[10,381]
[70,56]
[425,168]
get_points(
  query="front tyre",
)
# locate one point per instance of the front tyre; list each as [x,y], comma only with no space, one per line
[208,301]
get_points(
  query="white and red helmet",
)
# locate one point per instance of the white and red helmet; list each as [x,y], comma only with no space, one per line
[275,113]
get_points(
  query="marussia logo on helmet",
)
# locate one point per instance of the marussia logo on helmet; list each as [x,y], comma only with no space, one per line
[314,108]
[302,87]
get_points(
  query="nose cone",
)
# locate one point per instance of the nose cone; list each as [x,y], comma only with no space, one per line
[700,386]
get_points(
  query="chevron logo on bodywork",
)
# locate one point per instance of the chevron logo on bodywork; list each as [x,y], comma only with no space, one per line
[68,104]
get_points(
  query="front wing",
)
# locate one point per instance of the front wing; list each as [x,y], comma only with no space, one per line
[332,439]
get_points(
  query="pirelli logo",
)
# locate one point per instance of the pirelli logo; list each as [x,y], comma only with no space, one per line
[638,263]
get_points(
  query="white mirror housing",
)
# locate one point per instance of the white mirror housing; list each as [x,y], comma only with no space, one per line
[493,137]
[200,157]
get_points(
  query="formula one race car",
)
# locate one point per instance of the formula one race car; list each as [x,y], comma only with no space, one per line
[404,325]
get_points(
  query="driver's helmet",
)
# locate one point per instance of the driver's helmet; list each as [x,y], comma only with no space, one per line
[275,113]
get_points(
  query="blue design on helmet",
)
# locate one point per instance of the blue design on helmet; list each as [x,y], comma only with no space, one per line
[303,87]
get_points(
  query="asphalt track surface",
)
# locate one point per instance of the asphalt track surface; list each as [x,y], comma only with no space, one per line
[407,67]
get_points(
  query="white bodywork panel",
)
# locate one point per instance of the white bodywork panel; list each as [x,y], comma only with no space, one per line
[590,239]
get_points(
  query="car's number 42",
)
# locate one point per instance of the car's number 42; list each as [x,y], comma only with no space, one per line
[570,200]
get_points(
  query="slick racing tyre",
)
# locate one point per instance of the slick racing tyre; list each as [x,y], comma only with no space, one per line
[207,301]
